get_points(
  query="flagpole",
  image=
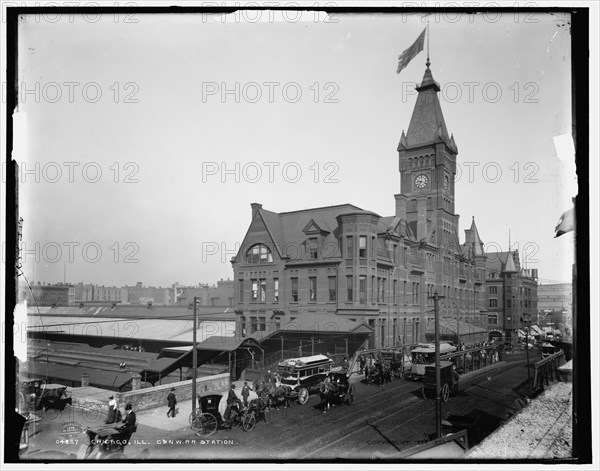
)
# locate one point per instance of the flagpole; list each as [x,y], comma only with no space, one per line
[428,63]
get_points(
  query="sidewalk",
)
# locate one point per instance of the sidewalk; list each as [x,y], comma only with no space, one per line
[157,417]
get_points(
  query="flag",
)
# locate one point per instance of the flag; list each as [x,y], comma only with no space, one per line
[566,223]
[410,53]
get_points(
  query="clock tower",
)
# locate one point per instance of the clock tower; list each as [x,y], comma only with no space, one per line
[427,158]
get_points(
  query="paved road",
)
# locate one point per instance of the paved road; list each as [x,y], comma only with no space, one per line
[380,423]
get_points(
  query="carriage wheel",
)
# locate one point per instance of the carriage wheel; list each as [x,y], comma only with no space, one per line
[445,392]
[205,424]
[249,422]
[350,395]
[194,414]
[303,396]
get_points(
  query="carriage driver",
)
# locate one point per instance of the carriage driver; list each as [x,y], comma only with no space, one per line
[233,403]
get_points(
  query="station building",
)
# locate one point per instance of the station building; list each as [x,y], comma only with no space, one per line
[344,264]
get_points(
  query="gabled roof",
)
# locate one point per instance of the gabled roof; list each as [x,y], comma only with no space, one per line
[287,229]
[322,322]
[497,261]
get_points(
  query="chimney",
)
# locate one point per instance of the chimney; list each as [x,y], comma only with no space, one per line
[255,208]
[400,206]
[421,218]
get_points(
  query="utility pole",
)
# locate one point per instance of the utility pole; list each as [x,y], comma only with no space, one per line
[194,353]
[524,318]
[438,379]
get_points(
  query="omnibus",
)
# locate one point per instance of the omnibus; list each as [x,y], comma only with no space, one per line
[305,372]
[423,356]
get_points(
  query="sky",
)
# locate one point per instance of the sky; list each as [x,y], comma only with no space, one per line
[146,138]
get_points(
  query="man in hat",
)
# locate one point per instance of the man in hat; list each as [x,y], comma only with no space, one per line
[233,403]
[245,393]
[129,426]
[172,400]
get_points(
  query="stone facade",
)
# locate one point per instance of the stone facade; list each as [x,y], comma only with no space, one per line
[149,398]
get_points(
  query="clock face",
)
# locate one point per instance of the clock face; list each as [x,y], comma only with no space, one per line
[446,182]
[421,180]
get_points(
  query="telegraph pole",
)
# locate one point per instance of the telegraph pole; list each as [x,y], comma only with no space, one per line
[438,379]
[194,353]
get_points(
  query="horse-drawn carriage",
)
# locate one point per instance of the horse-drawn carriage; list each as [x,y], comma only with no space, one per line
[336,389]
[448,383]
[212,415]
[52,396]
[108,441]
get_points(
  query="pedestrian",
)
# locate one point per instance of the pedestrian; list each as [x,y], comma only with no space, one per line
[245,393]
[345,365]
[361,362]
[172,401]
[112,415]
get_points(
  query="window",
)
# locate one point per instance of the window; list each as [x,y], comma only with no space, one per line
[294,290]
[395,299]
[332,289]
[508,303]
[313,248]
[243,325]
[312,289]
[276,290]
[373,290]
[349,292]
[362,288]
[404,294]
[263,290]
[349,247]
[259,253]
[493,302]
[362,247]
[254,290]
[492,319]
[493,290]
[263,323]
[253,324]
[374,248]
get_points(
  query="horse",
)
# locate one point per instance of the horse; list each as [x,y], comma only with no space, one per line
[259,406]
[277,394]
[327,391]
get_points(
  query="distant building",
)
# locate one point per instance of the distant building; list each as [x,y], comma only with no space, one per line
[511,294]
[42,294]
[94,293]
[219,296]
[140,294]
[555,306]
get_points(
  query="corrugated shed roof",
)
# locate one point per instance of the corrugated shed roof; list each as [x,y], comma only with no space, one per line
[133,329]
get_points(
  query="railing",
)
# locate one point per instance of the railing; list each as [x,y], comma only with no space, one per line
[474,358]
[546,371]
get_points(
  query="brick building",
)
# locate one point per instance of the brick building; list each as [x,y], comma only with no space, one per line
[512,294]
[381,270]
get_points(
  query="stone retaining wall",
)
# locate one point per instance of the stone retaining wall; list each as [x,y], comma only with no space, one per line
[149,398]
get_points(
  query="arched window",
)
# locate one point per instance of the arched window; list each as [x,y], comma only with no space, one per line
[259,253]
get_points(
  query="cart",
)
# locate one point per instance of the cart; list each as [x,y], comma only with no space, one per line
[448,383]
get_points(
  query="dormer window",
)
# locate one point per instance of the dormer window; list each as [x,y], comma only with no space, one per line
[259,253]
[313,248]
